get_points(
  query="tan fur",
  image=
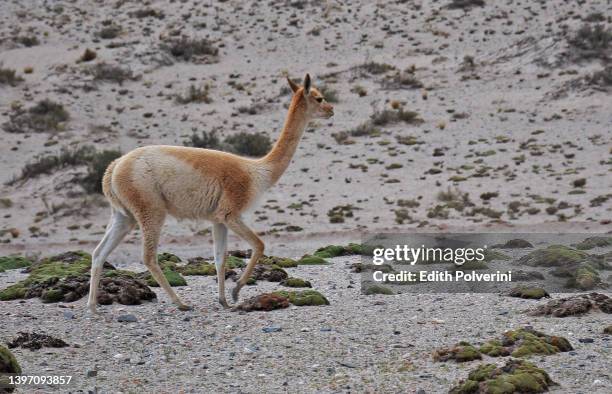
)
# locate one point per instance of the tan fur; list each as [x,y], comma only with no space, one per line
[151,182]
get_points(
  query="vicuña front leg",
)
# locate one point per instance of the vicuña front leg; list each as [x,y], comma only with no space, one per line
[118,227]
[220,240]
[244,232]
[150,240]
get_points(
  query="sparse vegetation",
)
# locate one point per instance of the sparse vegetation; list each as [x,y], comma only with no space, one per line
[109,30]
[374,68]
[249,144]
[601,78]
[88,55]
[465,4]
[45,116]
[96,163]
[591,42]
[190,49]
[206,140]
[330,94]
[111,73]
[9,77]
[195,95]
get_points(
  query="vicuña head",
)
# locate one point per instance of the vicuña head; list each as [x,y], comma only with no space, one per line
[149,183]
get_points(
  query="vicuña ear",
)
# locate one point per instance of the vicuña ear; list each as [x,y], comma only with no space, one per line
[307,84]
[293,85]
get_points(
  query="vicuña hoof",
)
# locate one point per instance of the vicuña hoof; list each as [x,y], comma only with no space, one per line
[224,303]
[185,308]
[236,291]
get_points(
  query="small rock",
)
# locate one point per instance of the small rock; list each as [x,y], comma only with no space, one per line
[129,318]
[68,315]
[586,340]
[92,373]
[271,329]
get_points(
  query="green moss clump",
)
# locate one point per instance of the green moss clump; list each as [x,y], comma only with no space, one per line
[586,278]
[234,262]
[494,348]
[303,298]
[377,289]
[203,268]
[534,293]
[296,282]
[52,295]
[9,365]
[516,376]
[283,262]
[72,263]
[13,262]
[312,260]
[594,242]
[554,256]
[119,273]
[526,342]
[331,251]
[165,256]
[174,278]
[461,352]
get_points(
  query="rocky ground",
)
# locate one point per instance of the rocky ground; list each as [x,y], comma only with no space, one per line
[449,116]
[381,343]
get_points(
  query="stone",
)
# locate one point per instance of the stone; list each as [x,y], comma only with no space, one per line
[129,318]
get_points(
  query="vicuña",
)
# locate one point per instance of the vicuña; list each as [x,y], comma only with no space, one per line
[149,183]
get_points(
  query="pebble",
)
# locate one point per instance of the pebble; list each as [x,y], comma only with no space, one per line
[68,315]
[271,329]
[586,340]
[129,318]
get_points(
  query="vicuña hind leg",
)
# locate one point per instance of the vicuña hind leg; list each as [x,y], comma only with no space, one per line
[220,240]
[244,232]
[150,238]
[118,227]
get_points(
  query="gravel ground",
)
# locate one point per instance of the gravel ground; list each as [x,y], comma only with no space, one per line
[357,344]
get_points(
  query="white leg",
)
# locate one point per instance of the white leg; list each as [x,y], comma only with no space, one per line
[244,232]
[220,240]
[118,227]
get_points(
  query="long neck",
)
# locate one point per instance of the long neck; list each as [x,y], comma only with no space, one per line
[278,159]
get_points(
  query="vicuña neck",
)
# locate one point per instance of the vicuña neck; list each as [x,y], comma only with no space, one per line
[280,156]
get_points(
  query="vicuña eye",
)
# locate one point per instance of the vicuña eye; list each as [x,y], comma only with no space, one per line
[319,99]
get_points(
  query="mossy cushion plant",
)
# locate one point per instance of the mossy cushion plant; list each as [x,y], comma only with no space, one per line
[174,278]
[534,293]
[516,376]
[524,343]
[312,260]
[283,262]
[296,282]
[13,262]
[303,298]
[351,249]
[554,256]
[377,289]
[8,364]
[594,242]
[461,352]
[61,266]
